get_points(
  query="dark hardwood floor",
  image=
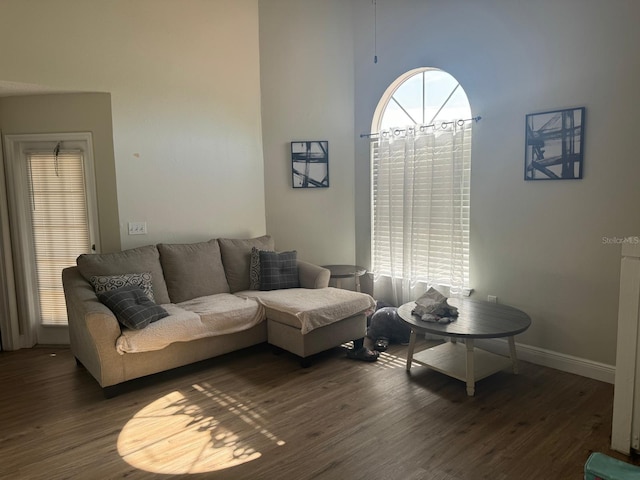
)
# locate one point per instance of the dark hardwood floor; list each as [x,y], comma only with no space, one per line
[256,415]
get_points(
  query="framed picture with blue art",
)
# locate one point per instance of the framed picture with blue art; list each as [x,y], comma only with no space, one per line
[554,145]
[310,164]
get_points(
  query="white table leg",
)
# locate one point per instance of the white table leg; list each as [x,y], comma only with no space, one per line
[471,381]
[412,345]
[512,354]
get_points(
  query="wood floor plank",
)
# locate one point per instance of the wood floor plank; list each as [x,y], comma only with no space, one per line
[252,414]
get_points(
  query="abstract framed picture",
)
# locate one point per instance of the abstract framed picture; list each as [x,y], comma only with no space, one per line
[310,164]
[554,147]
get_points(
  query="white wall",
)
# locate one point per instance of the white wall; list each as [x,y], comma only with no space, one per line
[82,112]
[536,245]
[185,89]
[306,62]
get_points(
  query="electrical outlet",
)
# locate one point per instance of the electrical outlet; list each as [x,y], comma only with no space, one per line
[492,298]
[137,228]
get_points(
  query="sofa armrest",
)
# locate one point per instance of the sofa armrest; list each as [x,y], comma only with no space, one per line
[93,330]
[313,276]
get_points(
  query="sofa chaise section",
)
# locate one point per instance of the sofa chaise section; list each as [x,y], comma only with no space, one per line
[306,322]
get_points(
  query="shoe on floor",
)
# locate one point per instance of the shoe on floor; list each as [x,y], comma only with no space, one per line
[381,345]
[363,353]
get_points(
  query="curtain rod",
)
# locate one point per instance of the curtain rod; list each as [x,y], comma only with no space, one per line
[398,131]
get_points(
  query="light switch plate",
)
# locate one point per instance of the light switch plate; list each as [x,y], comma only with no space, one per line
[137,228]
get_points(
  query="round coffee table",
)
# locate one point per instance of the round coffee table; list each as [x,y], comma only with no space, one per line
[476,319]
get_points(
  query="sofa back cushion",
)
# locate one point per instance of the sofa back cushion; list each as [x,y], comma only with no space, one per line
[193,270]
[236,258]
[135,260]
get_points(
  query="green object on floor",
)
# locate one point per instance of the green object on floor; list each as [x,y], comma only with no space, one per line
[602,467]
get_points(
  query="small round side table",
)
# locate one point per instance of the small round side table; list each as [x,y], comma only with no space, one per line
[338,272]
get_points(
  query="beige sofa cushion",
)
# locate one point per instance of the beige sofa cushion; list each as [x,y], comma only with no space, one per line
[236,258]
[202,317]
[192,270]
[135,260]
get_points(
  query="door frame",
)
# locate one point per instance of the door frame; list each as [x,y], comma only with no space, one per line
[29,330]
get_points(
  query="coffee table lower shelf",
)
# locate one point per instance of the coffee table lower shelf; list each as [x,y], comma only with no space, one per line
[452,359]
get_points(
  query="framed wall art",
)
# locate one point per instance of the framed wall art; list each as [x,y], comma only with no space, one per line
[554,145]
[310,164]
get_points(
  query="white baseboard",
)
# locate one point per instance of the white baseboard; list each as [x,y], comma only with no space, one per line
[548,358]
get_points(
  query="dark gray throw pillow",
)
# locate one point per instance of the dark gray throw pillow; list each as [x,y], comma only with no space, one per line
[132,307]
[278,270]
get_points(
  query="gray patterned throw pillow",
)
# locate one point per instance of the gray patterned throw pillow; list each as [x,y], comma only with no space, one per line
[254,269]
[106,283]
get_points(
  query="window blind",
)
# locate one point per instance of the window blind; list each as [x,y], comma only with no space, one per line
[421,204]
[59,218]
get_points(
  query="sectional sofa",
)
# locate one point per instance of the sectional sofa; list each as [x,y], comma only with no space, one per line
[214,302]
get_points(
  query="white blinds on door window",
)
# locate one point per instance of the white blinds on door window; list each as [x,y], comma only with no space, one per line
[420,206]
[58,201]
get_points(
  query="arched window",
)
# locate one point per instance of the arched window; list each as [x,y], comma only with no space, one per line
[421,165]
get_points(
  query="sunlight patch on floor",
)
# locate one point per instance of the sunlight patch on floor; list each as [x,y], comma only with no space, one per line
[205,431]
[387,360]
